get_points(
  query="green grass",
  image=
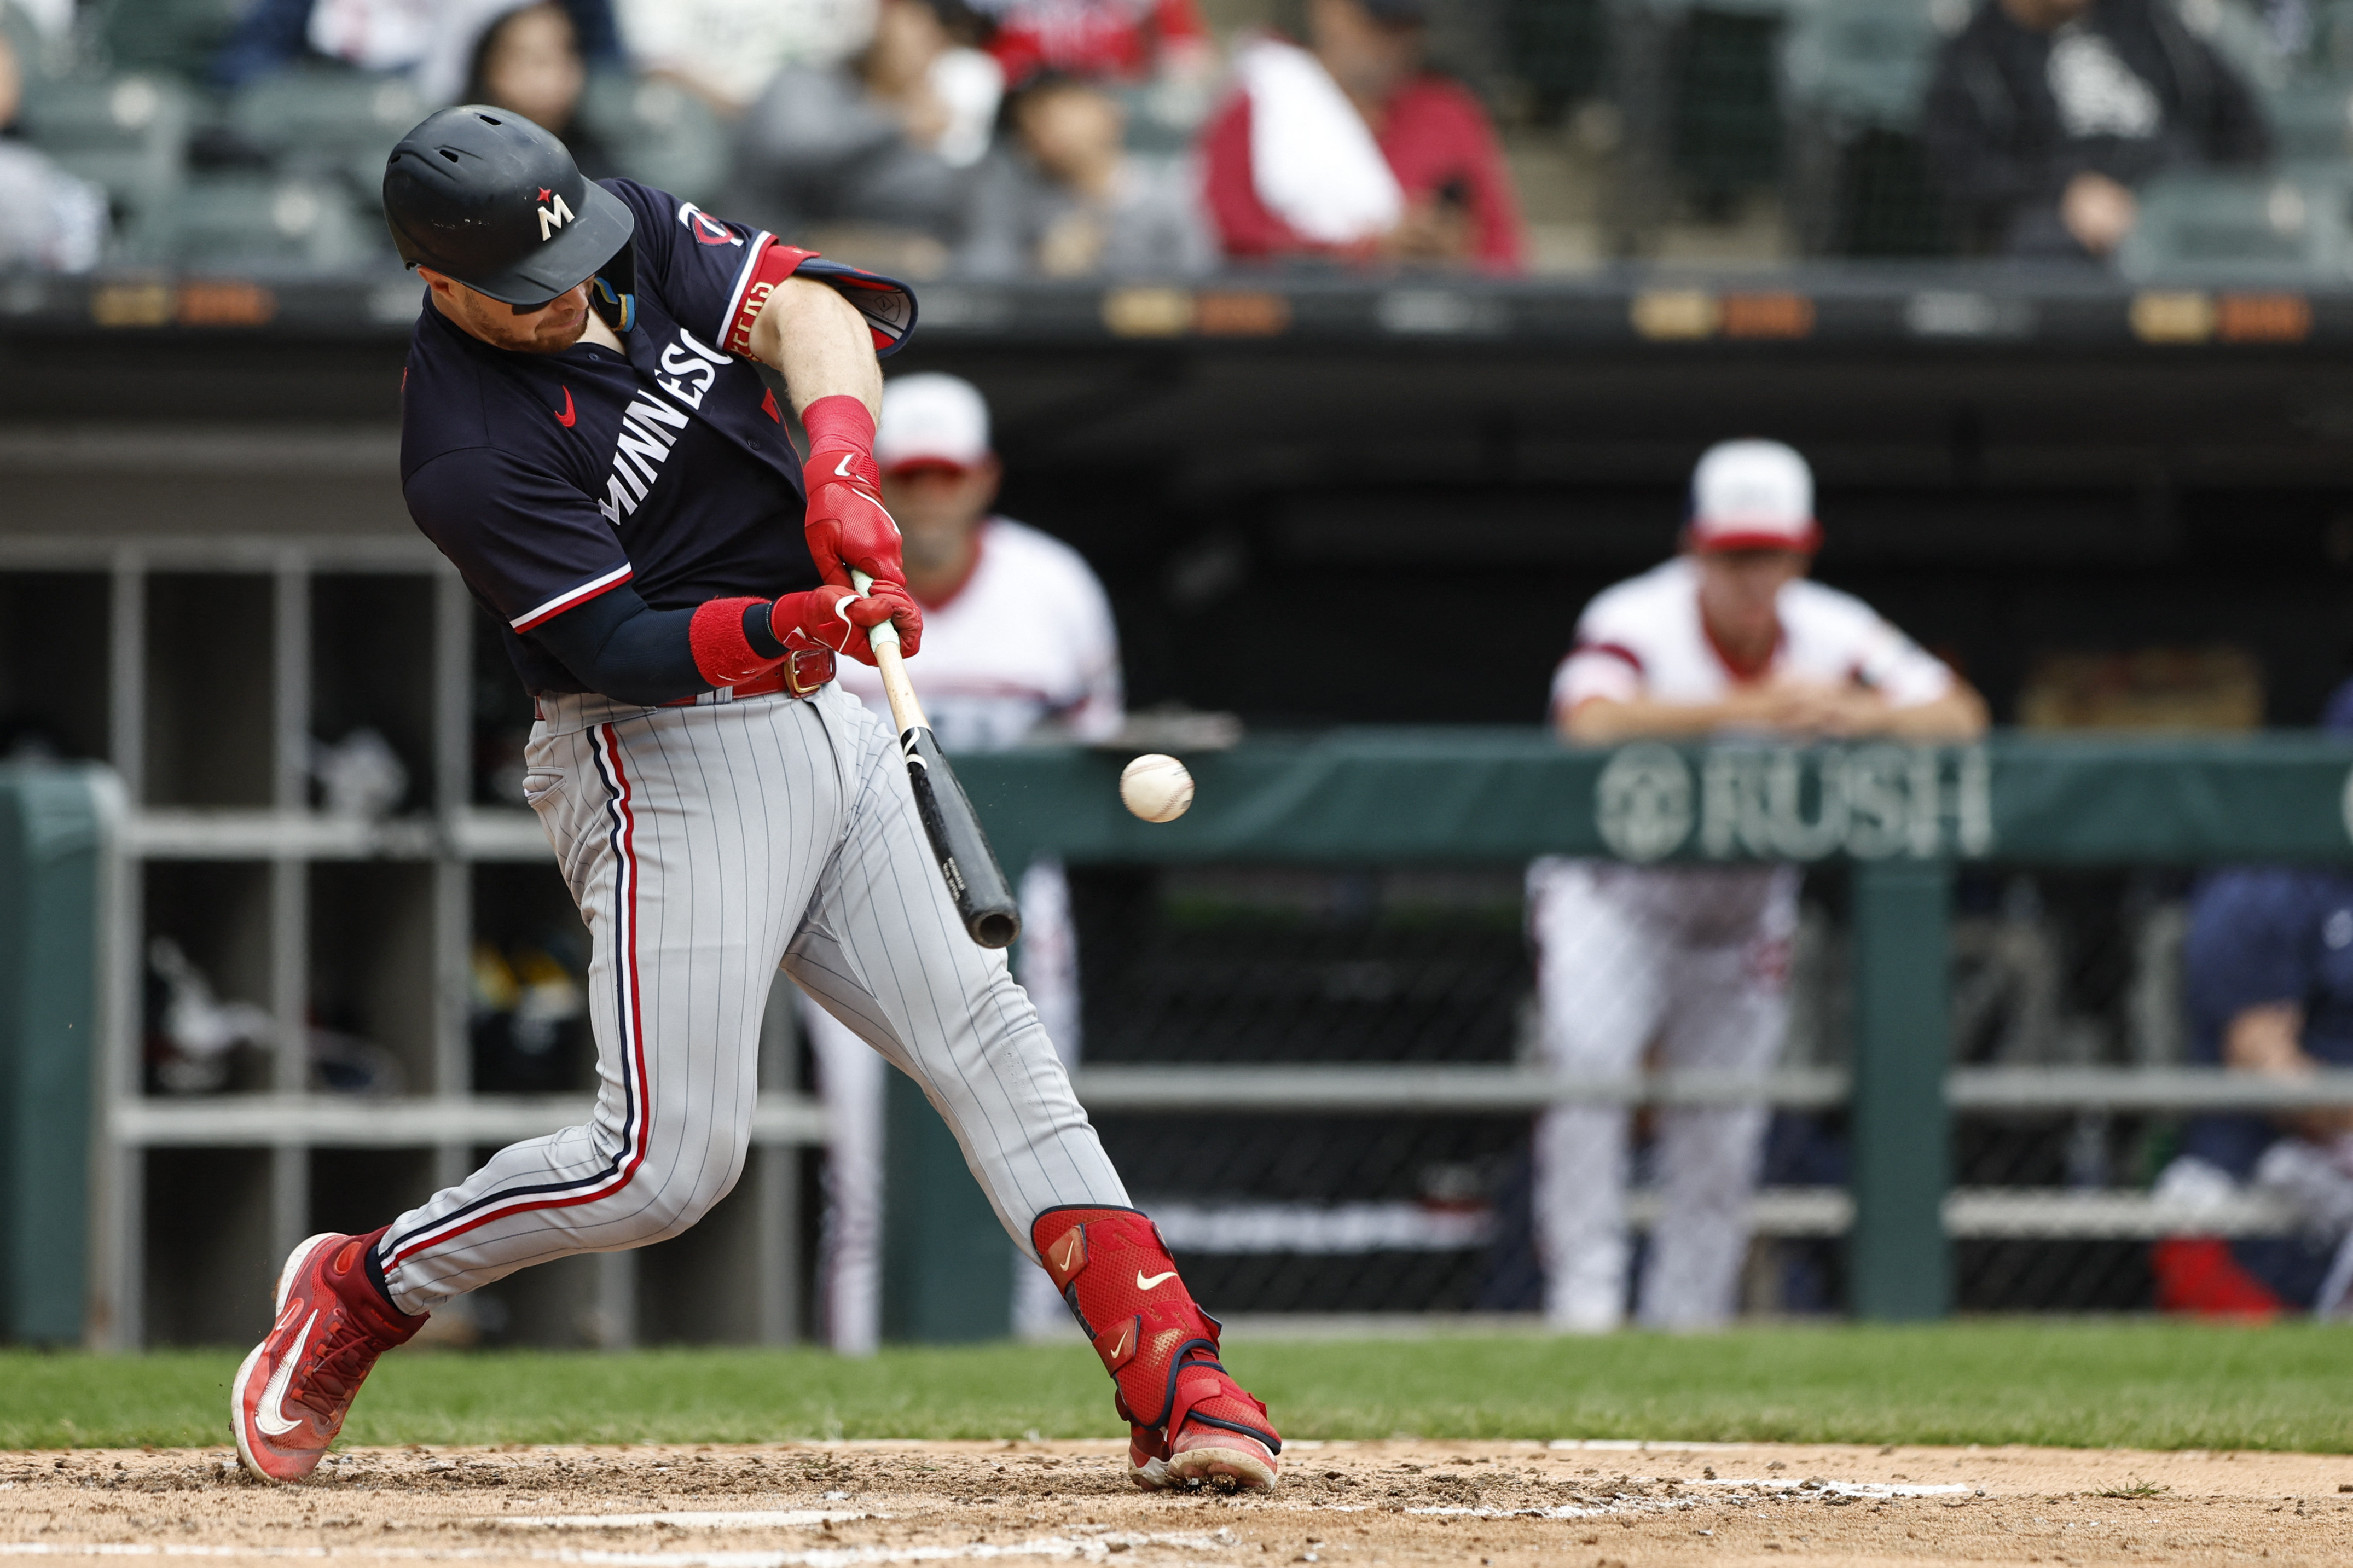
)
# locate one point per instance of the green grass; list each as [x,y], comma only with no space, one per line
[2128,1384]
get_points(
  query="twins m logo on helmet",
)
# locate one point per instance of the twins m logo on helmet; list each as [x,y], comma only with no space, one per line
[553,216]
[651,425]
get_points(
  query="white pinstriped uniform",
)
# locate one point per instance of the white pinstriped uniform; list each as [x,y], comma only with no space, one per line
[1028,639]
[706,845]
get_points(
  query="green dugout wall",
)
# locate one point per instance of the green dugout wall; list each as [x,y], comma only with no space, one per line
[52,830]
[1899,816]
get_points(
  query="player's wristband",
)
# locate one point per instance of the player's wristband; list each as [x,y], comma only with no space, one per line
[720,636]
[839,421]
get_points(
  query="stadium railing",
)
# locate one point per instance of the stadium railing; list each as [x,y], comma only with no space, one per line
[1899,823]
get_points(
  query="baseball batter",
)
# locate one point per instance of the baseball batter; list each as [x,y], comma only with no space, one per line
[1729,636]
[585,437]
[1018,638]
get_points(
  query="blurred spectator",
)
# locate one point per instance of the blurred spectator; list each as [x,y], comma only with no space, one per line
[1692,962]
[2045,114]
[727,52]
[2268,973]
[1350,147]
[1126,41]
[1019,646]
[49,220]
[427,40]
[529,60]
[878,140]
[1068,199]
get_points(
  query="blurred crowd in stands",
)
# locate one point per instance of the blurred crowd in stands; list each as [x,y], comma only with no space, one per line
[1166,139]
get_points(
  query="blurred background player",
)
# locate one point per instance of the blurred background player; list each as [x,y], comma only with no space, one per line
[1730,635]
[1019,644]
[2267,975]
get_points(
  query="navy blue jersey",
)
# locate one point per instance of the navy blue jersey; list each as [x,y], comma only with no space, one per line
[550,479]
[2260,936]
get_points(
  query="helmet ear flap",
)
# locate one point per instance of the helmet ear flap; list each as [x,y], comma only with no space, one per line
[614,291]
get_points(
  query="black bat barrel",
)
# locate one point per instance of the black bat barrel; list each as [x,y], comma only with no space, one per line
[982,898]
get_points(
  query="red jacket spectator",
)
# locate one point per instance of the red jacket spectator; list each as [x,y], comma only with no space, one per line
[1116,41]
[1439,145]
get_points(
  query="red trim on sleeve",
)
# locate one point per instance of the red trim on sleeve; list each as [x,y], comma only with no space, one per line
[1615,650]
[724,656]
[773,264]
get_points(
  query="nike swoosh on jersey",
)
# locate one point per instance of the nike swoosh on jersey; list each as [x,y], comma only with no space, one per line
[270,1414]
[1153,1281]
[568,415]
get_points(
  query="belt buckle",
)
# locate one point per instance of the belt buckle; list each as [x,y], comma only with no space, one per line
[820,668]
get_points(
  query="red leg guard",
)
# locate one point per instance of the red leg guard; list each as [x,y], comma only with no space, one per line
[1191,1420]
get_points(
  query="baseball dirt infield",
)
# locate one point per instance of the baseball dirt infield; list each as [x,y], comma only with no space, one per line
[1599,1505]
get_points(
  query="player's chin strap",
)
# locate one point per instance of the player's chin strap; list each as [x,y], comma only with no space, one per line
[1115,1272]
[614,291]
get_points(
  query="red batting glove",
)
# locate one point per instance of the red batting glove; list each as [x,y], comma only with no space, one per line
[838,619]
[846,523]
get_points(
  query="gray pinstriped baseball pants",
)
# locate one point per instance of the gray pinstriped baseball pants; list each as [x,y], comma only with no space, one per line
[705,846]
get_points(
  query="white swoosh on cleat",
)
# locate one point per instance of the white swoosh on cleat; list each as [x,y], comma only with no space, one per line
[270,1414]
[1153,1281]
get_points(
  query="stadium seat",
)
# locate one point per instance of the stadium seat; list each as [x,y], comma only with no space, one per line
[254,224]
[1856,73]
[2286,227]
[658,133]
[2312,120]
[1866,62]
[39,56]
[327,122]
[176,36]
[128,134]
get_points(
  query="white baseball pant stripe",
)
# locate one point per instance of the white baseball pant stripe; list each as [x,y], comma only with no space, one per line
[850,1079]
[706,846]
[1615,970]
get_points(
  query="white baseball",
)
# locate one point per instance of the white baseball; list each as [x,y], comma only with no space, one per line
[1156,788]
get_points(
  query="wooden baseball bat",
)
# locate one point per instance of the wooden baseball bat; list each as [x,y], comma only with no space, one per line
[983,899]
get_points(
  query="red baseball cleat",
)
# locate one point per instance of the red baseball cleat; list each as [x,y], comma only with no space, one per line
[290,1397]
[1221,1433]
[1189,1422]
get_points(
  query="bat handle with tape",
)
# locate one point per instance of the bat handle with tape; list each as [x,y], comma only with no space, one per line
[984,900]
[906,712]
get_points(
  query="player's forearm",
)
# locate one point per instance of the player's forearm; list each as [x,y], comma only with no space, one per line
[1604,720]
[821,343]
[1958,715]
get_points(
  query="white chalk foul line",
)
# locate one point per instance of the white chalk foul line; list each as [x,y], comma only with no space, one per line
[1090,1548]
[741,1519]
[1625,1504]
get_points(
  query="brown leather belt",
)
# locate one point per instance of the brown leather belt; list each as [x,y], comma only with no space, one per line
[801,673]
